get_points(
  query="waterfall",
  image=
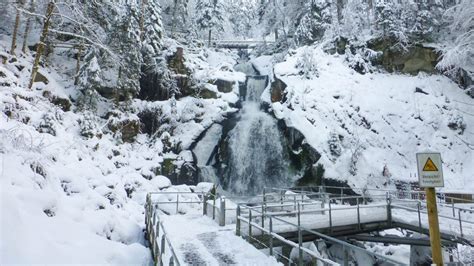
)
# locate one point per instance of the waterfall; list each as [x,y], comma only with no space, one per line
[257,154]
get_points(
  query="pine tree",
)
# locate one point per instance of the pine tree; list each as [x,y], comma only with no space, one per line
[314,22]
[210,16]
[90,78]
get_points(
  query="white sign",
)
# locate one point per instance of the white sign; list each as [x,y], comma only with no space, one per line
[430,172]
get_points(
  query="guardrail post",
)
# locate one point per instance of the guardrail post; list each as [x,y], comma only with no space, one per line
[250,225]
[346,256]
[294,202]
[452,205]
[323,203]
[419,217]
[263,215]
[342,195]
[302,201]
[162,249]
[281,200]
[214,207]
[300,239]
[330,217]
[460,222]
[177,203]
[271,236]
[358,214]
[204,204]
[237,222]
[389,210]
[222,212]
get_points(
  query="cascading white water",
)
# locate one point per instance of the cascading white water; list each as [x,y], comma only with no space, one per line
[257,156]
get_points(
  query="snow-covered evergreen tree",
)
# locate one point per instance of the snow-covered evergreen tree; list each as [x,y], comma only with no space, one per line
[314,22]
[210,16]
[460,49]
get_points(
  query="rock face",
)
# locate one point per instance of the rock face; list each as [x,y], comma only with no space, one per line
[223,85]
[128,128]
[180,171]
[206,93]
[414,59]
[277,90]
[152,87]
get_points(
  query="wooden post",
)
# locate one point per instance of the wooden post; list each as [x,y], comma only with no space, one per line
[435,238]
[39,50]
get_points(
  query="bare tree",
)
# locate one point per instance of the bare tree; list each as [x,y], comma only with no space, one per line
[41,44]
[15,28]
[27,27]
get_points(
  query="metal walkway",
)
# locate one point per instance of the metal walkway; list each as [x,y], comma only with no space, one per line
[289,218]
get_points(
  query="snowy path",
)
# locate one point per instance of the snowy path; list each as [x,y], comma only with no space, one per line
[200,241]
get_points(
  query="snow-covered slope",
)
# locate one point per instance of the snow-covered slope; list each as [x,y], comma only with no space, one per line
[362,124]
[71,190]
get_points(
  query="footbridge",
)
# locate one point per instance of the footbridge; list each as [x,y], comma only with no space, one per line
[284,222]
[239,44]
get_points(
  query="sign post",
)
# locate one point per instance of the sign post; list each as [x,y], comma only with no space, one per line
[430,175]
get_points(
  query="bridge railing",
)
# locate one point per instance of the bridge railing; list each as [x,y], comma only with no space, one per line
[161,246]
[261,224]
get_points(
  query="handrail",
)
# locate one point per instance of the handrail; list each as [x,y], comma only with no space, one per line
[299,227]
[286,241]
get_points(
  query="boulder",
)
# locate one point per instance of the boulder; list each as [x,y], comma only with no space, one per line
[63,103]
[130,129]
[224,86]
[206,93]
[41,78]
[277,90]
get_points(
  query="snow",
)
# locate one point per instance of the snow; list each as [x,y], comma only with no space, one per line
[70,199]
[199,240]
[378,119]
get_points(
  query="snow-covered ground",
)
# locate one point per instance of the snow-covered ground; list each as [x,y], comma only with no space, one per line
[66,198]
[363,123]
[200,241]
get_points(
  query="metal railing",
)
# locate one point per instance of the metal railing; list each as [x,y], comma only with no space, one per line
[162,250]
[261,217]
[266,229]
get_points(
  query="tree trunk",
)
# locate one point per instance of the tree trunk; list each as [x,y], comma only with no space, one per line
[276,35]
[210,37]
[340,6]
[15,28]
[27,27]
[173,20]
[39,50]
[142,19]
[78,64]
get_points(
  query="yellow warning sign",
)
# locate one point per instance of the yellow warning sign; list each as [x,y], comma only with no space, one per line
[430,166]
